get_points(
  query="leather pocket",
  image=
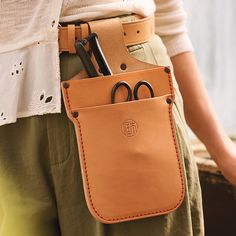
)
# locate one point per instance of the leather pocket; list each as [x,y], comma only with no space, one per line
[131,166]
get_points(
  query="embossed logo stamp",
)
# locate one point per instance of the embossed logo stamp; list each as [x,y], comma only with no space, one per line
[129,128]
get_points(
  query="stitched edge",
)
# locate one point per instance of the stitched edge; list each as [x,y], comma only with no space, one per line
[175,138]
[136,24]
[177,154]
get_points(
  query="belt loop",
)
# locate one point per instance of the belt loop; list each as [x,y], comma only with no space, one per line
[71,38]
[85,33]
[138,31]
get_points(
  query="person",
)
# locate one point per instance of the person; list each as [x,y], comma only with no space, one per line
[41,190]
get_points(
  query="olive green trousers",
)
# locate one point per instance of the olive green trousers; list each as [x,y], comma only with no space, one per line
[41,192]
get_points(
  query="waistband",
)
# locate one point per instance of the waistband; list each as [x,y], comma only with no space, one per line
[139,30]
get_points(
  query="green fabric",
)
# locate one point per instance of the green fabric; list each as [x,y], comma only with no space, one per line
[41,192]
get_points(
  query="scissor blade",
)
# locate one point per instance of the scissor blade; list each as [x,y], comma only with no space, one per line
[97,51]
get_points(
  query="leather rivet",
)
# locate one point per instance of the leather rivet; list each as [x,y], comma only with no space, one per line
[123,66]
[169,100]
[75,114]
[167,70]
[66,85]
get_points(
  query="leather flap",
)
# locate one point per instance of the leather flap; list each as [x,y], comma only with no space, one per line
[97,91]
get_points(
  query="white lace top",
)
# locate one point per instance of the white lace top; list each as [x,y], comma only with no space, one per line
[29,58]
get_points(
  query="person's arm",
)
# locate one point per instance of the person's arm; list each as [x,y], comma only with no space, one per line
[200,115]
[171,27]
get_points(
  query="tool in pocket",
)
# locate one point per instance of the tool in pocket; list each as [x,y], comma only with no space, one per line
[129,89]
[131,180]
[85,57]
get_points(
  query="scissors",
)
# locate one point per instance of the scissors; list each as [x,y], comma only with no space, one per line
[85,57]
[129,90]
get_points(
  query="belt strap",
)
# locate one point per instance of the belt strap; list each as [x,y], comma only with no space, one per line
[135,32]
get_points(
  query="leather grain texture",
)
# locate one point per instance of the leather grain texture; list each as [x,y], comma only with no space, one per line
[129,155]
[136,32]
[97,91]
[112,40]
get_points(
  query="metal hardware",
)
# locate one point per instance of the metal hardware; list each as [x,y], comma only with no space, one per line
[169,100]
[85,57]
[140,83]
[167,70]
[116,86]
[75,114]
[66,85]
[129,90]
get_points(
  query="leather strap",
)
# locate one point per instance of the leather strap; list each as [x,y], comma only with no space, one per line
[71,38]
[112,42]
[135,32]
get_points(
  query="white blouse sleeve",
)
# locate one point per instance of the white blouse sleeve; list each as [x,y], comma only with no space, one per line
[170,20]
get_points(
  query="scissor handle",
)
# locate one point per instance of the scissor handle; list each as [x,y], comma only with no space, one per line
[116,86]
[147,84]
[85,59]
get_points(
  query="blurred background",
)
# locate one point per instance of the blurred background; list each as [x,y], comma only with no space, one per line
[211,29]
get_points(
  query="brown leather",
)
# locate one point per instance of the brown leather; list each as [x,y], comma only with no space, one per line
[132,173]
[114,48]
[130,160]
[136,32]
[97,91]
[71,38]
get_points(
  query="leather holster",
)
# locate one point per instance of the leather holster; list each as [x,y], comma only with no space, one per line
[130,160]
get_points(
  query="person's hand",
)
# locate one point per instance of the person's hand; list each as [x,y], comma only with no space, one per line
[200,115]
[226,161]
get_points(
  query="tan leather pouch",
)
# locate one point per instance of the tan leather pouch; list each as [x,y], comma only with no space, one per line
[129,155]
